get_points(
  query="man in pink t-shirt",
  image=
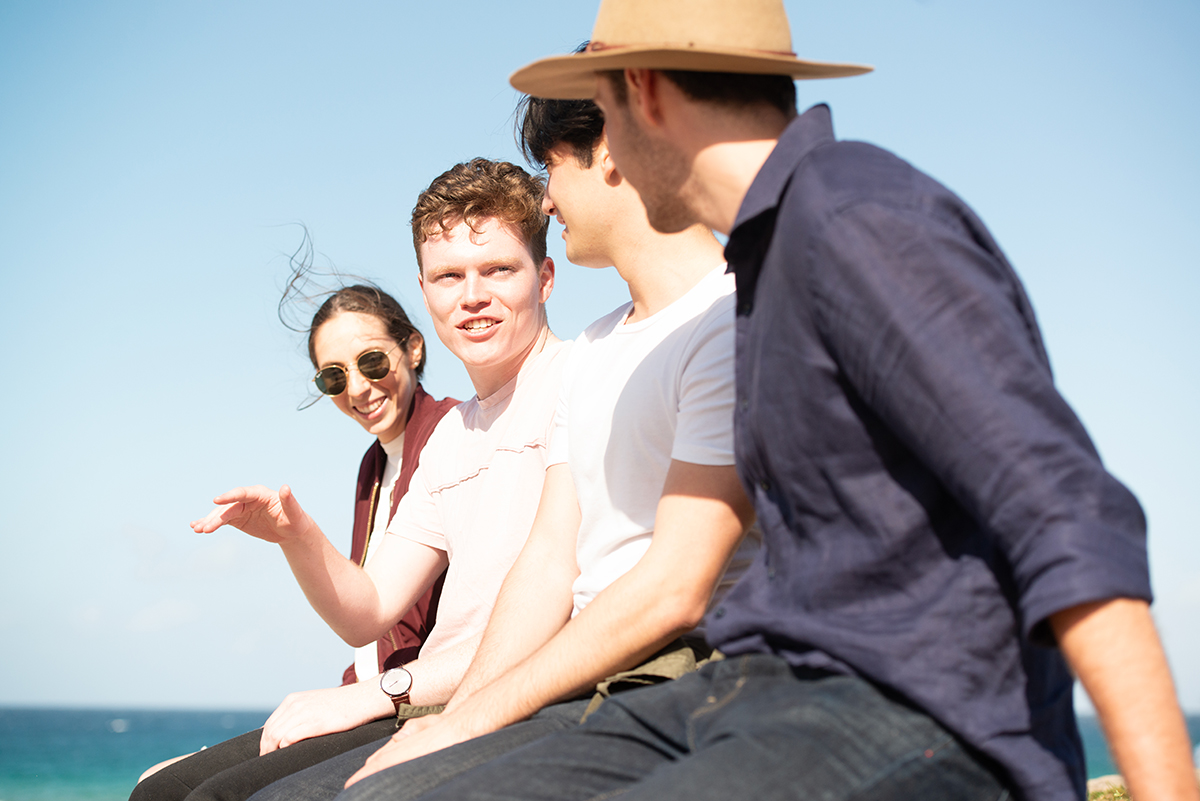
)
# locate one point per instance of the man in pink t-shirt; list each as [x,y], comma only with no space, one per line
[480,238]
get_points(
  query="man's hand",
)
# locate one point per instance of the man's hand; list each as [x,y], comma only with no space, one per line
[317,712]
[258,511]
[418,737]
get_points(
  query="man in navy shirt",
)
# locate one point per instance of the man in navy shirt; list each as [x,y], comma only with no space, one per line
[942,544]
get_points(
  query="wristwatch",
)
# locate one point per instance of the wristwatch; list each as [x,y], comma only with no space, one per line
[396,682]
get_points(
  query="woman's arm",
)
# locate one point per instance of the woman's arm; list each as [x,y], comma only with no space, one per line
[360,605]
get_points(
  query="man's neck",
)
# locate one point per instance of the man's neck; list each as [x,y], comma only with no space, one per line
[724,172]
[661,268]
[728,147]
[490,379]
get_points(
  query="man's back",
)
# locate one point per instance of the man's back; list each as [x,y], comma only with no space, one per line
[925,492]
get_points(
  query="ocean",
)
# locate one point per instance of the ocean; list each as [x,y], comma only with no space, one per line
[98,754]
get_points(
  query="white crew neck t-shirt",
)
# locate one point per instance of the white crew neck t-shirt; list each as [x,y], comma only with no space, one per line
[644,393]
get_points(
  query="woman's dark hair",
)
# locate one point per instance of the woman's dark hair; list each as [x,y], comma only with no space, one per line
[363,297]
[367,299]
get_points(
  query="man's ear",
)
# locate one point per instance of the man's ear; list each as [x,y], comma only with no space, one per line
[644,88]
[421,284]
[546,278]
[608,167]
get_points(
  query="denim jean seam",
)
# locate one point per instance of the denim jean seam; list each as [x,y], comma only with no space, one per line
[909,758]
[716,704]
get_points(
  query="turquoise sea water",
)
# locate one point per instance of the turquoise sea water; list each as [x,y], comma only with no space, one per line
[97,754]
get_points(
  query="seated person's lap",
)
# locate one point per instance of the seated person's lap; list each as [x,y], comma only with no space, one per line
[413,779]
[235,763]
[837,736]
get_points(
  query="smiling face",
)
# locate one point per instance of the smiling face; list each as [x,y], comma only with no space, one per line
[484,292]
[380,407]
[577,197]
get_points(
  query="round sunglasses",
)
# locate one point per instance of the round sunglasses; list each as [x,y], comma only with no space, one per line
[373,365]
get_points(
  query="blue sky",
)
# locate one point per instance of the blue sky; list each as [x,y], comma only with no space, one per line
[157,158]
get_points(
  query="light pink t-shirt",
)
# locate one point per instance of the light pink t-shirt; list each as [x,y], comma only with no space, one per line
[476,492]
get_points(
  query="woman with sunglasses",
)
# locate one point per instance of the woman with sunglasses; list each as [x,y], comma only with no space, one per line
[369,359]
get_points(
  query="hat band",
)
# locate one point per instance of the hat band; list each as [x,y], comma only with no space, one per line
[596,47]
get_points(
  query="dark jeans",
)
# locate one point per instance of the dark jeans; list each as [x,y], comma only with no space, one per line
[233,770]
[746,727]
[412,779]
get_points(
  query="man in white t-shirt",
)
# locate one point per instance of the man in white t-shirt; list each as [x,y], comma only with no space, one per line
[641,512]
[480,239]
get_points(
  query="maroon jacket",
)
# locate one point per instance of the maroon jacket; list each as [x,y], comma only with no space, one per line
[414,627]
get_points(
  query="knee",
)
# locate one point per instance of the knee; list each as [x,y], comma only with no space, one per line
[162,785]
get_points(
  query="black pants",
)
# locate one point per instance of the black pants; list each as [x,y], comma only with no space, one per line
[233,770]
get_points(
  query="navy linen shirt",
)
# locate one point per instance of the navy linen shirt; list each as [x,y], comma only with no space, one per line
[927,498]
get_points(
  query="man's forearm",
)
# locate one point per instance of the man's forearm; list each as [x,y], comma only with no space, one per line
[627,623]
[699,524]
[437,676]
[1115,651]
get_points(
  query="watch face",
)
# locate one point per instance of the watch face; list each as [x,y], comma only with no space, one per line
[397,681]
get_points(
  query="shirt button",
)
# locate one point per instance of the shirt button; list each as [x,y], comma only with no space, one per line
[765,485]
[720,612]
[744,403]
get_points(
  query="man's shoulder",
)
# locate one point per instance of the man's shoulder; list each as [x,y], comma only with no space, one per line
[470,435]
[836,176]
[711,298]
[839,174]
[449,427]
[605,325]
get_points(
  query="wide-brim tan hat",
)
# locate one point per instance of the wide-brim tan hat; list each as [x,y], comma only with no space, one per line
[749,36]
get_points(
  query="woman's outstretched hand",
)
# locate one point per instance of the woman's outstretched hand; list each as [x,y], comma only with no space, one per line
[258,511]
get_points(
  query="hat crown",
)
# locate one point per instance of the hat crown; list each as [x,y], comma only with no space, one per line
[760,25]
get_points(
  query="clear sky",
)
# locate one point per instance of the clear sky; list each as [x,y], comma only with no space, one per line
[156,158]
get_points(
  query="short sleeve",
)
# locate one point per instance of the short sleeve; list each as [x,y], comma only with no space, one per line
[556,452]
[704,426]
[417,517]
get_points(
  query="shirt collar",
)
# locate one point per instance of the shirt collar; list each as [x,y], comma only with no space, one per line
[754,227]
[802,135]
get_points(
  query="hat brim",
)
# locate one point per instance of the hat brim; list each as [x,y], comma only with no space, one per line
[573,77]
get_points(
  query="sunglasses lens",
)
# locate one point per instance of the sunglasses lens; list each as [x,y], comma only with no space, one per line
[374,365]
[331,380]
